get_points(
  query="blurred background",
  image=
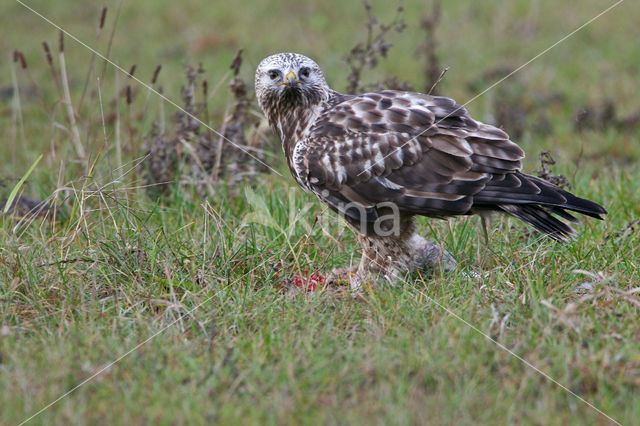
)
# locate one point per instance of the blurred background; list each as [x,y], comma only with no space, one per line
[585,84]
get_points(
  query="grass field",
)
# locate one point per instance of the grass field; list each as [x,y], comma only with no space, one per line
[179,309]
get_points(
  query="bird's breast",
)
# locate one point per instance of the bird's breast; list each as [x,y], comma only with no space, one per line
[293,129]
[298,164]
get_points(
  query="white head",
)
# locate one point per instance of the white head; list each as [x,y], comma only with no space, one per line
[289,78]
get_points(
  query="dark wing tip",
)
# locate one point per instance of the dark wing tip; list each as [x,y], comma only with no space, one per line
[543,220]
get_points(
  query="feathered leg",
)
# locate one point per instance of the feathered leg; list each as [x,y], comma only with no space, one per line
[390,257]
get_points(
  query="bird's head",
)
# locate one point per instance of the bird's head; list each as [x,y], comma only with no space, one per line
[289,79]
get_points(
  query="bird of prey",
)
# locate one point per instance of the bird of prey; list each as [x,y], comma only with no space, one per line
[381,158]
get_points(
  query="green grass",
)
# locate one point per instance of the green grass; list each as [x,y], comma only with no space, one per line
[203,281]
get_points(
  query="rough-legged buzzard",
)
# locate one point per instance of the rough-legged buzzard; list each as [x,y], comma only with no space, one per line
[381,158]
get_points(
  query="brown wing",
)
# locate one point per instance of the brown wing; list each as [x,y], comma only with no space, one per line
[423,153]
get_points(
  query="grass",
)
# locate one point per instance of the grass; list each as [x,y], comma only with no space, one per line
[203,281]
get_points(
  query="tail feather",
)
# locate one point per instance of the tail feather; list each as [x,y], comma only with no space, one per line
[576,204]
[542,219]
[565,215]
[538,208]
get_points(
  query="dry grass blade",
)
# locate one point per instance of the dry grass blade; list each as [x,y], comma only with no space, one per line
[16,107]
[103,15]
[75,132]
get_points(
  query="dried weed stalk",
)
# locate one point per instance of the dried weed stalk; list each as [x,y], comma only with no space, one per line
[366,55]
[433,71]
[544,171]
[236,125]
[191,154]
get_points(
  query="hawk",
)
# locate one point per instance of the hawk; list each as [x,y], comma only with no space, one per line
[381,158]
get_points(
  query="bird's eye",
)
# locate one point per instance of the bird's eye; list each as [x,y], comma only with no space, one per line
[273,74]
[304,72]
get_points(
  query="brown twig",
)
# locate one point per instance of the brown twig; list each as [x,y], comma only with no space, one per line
[432,88]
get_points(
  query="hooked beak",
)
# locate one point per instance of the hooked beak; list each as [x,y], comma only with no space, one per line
[290,80]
